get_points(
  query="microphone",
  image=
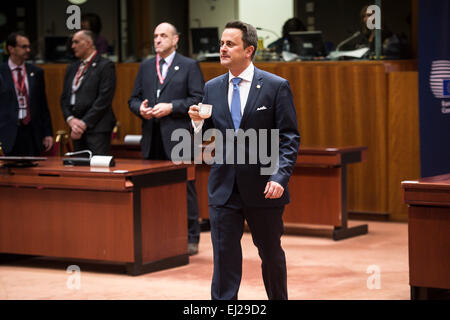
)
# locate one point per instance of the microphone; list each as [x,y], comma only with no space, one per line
[353,36]
[268,30]
[93,161]
[69,154]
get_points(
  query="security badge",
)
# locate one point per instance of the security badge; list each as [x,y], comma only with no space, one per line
[22,102]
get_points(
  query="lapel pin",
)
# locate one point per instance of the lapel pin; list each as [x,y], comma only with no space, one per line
[32,74]
[177,68]
[94,64]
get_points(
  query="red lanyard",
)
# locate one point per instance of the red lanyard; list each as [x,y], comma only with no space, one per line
[79,74]
[16,81]
[158,69]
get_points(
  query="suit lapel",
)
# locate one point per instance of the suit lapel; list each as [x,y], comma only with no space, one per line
[255,89]
[89,70]
[31,75]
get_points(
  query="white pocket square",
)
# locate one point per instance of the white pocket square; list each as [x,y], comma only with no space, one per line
[261,108]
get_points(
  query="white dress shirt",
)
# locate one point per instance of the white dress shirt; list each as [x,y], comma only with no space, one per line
[165,66]
[244,86]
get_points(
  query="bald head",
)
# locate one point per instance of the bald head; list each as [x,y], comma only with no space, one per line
[165,39]
[168,27]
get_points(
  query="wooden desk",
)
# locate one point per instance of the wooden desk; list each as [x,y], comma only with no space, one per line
[133,213]
[318,187]
[428,234]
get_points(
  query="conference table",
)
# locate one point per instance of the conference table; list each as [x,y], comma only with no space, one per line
[133,213]
[428,202]
[318,188]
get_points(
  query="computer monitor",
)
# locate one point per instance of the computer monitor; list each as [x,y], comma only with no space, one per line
[205,40]
[58,49]
[308,44]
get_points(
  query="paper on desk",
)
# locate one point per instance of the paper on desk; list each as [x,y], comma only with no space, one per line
[358,53]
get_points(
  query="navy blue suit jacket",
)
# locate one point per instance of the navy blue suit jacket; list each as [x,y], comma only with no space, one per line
[9,108]
[269,106]
[183,87]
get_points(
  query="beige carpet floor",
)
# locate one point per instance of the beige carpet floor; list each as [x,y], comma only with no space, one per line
[369,267]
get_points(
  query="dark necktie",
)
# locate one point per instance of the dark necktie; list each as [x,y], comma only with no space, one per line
[23,92]
[236,104]
[161,64]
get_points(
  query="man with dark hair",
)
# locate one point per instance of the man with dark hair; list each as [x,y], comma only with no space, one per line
[164,89]
[292,24]
[25,123]
[247,99]
[86,101]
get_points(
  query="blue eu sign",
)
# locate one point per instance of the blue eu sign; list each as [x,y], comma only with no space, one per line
[447,88]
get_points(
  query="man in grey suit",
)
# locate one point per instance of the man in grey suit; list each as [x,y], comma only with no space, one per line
[88,92]
[245,100]
[165,87]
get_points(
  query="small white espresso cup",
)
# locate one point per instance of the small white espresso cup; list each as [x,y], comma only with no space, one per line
[205,110]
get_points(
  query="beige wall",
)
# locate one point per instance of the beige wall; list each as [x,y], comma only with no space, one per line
[266,14]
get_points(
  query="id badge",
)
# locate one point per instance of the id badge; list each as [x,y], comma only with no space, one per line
[22,102]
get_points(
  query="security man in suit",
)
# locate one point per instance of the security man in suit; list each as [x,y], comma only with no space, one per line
[25,123]
[164,89]
[86,101]
[248,99]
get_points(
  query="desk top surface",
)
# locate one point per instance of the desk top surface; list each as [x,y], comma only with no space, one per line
[123,167]
[436,182]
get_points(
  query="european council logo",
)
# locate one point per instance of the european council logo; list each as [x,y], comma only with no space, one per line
[447,88]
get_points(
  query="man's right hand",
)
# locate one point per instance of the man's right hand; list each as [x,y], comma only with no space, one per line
[193,113]
[145,111]
[77,126]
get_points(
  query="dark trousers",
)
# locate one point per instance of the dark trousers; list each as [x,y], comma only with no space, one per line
[99,143]
[227,227]
[25,144]
[157,153]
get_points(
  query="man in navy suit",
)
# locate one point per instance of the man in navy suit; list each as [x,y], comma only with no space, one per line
[248,99]
[25,123]
[165,87]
